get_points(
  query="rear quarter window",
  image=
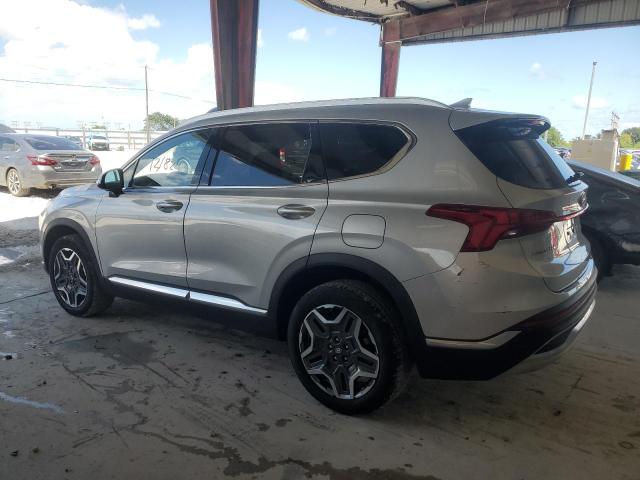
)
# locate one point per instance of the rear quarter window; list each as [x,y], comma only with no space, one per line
[351,149]
[515,152]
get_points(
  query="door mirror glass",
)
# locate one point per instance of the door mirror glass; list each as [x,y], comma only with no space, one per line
[112,180]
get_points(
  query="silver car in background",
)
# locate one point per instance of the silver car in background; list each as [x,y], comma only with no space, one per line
[45,162]
[97,141]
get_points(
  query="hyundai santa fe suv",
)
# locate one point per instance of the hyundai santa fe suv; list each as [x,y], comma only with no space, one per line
[373,234]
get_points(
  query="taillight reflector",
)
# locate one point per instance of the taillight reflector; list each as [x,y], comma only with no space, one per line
[94,160]
[42,160]
[488,225]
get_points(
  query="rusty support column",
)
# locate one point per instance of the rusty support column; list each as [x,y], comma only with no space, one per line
[234,29]
[390,60]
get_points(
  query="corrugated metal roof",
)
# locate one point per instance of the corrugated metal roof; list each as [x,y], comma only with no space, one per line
[580,17]
[374,8]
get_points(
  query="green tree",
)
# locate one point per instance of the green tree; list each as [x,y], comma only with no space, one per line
[626,140]
[555,138]
[161,121]
[634,133]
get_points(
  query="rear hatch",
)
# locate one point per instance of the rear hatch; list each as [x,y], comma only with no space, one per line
[71,161]
[532,176]
[60,153]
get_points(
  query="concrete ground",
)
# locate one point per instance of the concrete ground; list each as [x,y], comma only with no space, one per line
[159,392]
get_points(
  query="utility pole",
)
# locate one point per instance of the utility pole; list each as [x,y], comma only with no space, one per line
[146,97]
[586,114]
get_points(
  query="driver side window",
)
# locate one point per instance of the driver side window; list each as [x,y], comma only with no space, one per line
[173,163]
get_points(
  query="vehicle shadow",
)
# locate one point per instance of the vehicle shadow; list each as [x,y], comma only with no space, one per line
[38,193]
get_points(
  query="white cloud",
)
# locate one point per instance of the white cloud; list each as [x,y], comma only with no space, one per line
[260,39]
[142,23]
[330,31]
[299,35]
[272,92]
[67,42]
[580,101]
[536,70]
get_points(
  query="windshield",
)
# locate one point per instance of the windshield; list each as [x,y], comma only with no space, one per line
[44,142]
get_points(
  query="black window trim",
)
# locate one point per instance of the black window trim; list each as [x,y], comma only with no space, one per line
[207,177]
[403,152]
[202,162]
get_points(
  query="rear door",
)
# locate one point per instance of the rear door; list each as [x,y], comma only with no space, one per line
[258,213]
[532,175]
[140,232]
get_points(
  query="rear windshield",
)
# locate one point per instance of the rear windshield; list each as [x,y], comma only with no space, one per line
[514,151]
[44,142]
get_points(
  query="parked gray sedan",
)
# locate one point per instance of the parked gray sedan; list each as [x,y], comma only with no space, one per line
[42,161]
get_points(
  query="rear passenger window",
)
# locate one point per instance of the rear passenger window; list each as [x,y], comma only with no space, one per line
[352,149]
[269,154]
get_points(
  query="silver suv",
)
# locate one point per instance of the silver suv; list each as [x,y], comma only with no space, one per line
[374,234]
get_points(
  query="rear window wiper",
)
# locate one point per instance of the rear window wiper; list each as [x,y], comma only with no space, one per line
[575,177]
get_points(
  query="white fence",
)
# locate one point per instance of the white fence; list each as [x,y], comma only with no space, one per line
[118,139]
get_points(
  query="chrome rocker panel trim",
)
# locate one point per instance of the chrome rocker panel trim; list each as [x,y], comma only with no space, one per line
[198,297]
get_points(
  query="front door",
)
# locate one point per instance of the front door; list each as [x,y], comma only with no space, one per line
[259,213]
[140,232]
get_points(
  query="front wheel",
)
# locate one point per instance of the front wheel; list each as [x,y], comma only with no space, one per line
[347,348]
[74,278]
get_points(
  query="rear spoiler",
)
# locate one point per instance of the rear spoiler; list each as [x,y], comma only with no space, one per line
[465,103]
[460,119]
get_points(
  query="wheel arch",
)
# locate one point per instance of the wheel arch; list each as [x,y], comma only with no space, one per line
[60,227]
[304,274]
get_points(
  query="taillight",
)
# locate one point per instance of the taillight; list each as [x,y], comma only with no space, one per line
[487,225]
[42,160]
[94,160]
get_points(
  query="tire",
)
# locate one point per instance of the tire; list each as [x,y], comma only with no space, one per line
[15,184]
[64,271]
[600,258]
[379,335]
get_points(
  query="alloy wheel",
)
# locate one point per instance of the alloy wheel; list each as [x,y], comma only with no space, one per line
[70,277]
[13,182]
[338,351]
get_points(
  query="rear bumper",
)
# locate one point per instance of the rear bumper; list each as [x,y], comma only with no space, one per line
[46,177]
[536,341]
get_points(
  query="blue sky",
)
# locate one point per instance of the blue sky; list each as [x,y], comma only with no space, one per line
[336,58]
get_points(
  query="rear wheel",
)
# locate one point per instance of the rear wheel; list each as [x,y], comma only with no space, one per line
[15,185]
[74,278]
[346,347]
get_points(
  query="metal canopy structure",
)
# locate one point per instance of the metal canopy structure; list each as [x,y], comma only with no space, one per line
[407,22]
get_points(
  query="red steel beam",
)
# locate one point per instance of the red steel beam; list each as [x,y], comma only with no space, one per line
[390,62]
[234,28]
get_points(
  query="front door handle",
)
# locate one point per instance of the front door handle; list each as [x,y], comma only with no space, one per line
[295,212]
[169,206]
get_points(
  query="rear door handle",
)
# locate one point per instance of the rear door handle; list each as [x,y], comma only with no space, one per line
[169,206]
[295,212]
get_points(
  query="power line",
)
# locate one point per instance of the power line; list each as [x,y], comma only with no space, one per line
[105,87]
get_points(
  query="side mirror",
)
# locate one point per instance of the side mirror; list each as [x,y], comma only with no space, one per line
[112,181]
